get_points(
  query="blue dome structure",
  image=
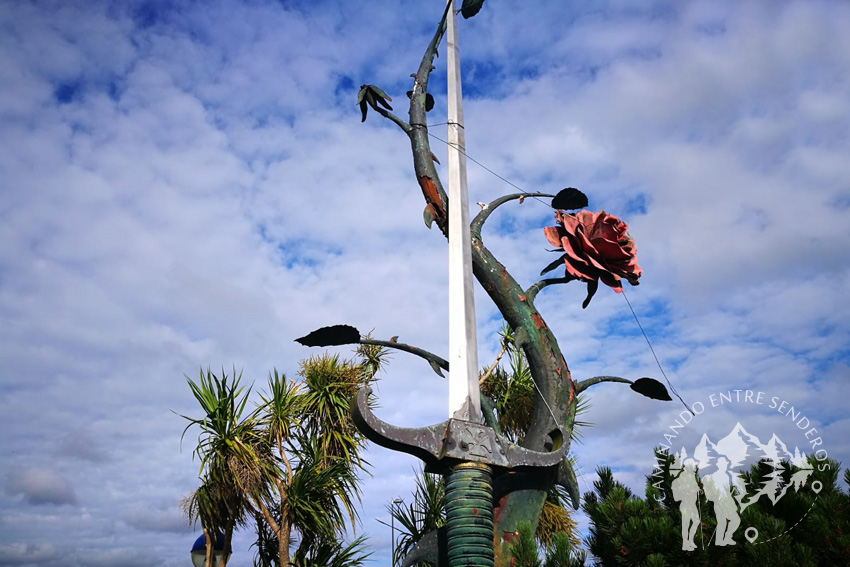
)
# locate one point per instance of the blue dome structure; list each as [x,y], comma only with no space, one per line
[201,543]
[199,549]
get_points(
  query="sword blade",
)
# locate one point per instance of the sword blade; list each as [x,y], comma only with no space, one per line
[464,401]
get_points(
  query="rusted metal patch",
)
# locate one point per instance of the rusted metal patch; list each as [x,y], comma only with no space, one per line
[538,321]
[430,192]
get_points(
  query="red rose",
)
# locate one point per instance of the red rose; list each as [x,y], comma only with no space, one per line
[596,246]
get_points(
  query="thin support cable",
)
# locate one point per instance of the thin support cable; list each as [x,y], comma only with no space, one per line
[637,320]
[658,362]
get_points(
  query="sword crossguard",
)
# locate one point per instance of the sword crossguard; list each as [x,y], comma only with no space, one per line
[450,442]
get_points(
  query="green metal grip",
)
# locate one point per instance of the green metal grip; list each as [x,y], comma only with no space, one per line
[469,515]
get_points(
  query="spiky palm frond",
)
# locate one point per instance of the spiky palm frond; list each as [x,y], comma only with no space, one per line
[513,393]
[203,505]
[335,554]
[372,358]
[582,405]
[330,385]
[280,413]
[322,493]
[236,461]
[426,513]
[266,543]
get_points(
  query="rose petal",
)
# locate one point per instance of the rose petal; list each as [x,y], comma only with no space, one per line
[554,234]
[580,271]
[597,246]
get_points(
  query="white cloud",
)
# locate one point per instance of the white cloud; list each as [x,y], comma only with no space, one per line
[40,486]
[22,554]
[183,188]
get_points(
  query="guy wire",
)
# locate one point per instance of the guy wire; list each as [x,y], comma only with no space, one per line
[652,350]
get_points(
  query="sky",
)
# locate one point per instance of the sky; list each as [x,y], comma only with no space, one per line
[187,185]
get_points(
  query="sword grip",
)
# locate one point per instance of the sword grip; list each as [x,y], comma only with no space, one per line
[469,515]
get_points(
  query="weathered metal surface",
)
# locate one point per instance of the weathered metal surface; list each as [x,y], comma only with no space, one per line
[432,548]
[444,444]
[566,479]
[469,515]
[422,442]
[555,395]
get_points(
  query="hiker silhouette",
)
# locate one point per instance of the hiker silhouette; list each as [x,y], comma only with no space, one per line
[686,490]
[718,489]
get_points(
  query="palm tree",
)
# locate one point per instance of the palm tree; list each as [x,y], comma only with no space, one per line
[425,514]
[202,505]
[236,463]
[309,426]
[292,464]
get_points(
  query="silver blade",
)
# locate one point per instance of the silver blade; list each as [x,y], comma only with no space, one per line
[464,401]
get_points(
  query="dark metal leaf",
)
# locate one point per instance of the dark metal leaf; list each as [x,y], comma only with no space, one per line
[567,479]
[651,388]
[470,7]
[429,100]
[373,96]
[432,548]
[592,286]
[569,199]
[383,102]
[553,265]
[379,92]
[428,215]
[331,336]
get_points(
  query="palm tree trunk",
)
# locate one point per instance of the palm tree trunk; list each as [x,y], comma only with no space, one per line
[228,537]
[283,543]
[208,549]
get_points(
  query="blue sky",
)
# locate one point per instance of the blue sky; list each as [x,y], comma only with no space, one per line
[185,185]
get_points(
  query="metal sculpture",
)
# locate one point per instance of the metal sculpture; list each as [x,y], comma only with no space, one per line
[492,484]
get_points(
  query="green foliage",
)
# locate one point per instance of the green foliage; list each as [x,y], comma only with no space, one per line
[524,548]
[555,519]
[512,390]
[335,554]
[329,386]
[425,514]
[292,464]
[372,358]
[802,529]
[558,552]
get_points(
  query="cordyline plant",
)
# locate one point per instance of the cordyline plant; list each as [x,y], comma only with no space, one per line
[594,246]
[292,464]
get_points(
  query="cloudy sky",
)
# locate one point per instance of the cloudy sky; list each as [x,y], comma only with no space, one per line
[188,185]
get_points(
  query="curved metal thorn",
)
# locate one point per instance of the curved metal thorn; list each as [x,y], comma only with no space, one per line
[422,442]
[431,548]
[521,457]
[566,478]
[451,441]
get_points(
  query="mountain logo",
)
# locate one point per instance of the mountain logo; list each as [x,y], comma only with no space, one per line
[720,471]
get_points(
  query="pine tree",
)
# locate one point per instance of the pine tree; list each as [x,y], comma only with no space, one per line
[803,529]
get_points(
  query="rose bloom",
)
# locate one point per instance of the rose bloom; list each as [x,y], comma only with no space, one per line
[596,246]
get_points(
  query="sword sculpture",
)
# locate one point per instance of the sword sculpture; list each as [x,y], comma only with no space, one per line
[464,400]
[463,448]
[468,448]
